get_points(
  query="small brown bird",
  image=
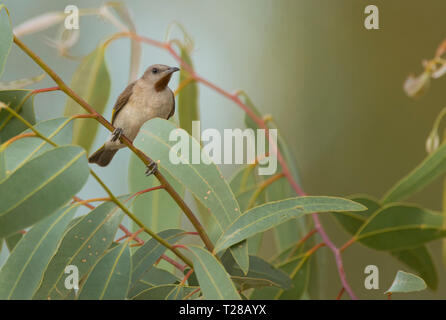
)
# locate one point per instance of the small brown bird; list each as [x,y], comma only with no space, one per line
[144,99]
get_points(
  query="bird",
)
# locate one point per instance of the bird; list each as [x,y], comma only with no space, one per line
[146,98]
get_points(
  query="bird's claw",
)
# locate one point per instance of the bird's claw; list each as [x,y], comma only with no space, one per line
[117,133]
[151,168]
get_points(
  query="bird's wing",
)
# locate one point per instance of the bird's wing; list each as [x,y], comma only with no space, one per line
[172,112]
[122,100]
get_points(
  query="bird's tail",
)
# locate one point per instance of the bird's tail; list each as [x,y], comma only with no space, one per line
[103,156]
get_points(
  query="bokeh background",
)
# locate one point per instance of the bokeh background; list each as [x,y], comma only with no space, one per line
[333,87]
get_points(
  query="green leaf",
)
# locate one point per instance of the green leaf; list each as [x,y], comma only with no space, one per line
[215,282]
[266,216]
[21,274]
[204,181]
[420,260]
[5,36]
[82,245]
[298,269]
[12,240]
[92,82]
[406,282]
[40,187]
[165,292]
[23,150]
[398,227]
[10,126]
[152,278]
[260,273]
[110,277]
[156,209]
[145,257]
[431,167]
[188,109]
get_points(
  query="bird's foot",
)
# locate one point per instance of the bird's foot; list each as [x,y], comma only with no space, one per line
[117,133]
[151,168]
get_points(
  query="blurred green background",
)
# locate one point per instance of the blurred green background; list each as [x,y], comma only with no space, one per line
[333,87]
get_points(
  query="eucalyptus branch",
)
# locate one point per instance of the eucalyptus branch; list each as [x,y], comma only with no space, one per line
[262,187]
[167,186]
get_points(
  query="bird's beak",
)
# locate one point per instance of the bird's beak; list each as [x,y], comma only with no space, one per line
[173,69]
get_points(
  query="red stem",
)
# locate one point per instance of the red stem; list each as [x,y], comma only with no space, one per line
[45,90]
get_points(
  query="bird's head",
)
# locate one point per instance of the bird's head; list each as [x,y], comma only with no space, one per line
[159,75]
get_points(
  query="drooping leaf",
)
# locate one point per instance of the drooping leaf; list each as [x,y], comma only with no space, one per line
[92,82]
[21,274]
[430,168]
[145,257]
[156,209]
[406,282]
[5,36]
[9,125]
[40,187]
[398,227]
[215,282]
[82,245]
[23,150]
[204,181]
[152,278]
[109,278]
[165,292]
[266,216]
[188,109]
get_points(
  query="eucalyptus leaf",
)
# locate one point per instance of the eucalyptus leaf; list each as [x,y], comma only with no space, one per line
[109,278]
[215,282]
[82,245]
[398,227]
[40,187]
[92,82]
[21,274]
[23,150]
[406,282]
[188,110]
[430,168]
[266,216]
[10,126]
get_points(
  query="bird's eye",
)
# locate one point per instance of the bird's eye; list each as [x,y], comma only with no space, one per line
[154,70]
